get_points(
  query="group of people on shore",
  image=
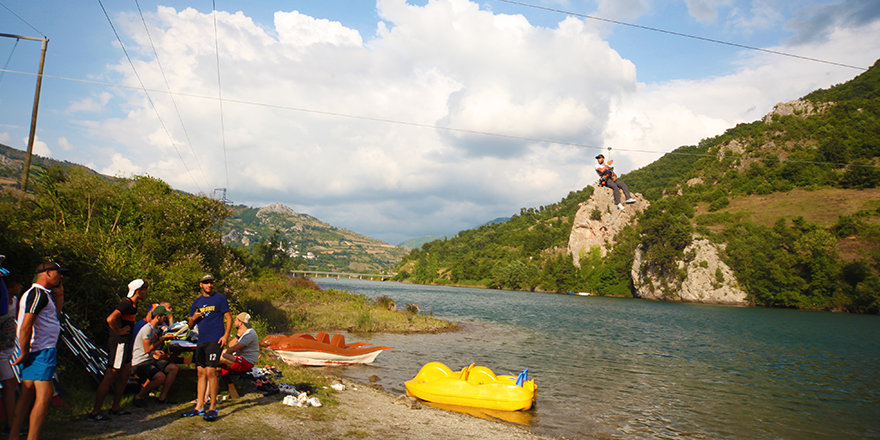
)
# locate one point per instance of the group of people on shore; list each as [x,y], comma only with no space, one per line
[32,319]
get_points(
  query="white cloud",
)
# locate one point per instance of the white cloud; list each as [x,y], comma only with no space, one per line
[447,63]
[121,167]
[622,9]
[662,117]
[706,11]
[40,148]
[64,144]
[5,138]
[90,104]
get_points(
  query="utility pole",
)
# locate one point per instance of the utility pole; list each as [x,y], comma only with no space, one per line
[33,133]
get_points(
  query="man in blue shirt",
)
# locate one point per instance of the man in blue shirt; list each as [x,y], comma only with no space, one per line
[209,311]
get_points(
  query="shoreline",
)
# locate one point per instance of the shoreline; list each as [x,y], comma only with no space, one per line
[360,411]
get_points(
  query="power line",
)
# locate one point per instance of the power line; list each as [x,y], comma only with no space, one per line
[174,144]
[173,101]
[436,127]
[679,34]
[2,74]
[23,20]
[220,94]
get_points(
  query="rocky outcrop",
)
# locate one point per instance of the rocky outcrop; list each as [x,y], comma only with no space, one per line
[802,109]
[598,220]
[708,281]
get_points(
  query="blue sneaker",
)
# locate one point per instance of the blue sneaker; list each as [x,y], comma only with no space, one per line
[193,412]
[211,415]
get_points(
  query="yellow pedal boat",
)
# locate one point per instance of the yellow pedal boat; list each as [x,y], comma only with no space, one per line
[473,386]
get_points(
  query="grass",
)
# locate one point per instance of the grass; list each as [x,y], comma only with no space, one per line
[297,305]
[821,207]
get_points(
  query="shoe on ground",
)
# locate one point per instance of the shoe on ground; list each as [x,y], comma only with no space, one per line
[620,206]
[211,415]
[194,412]
[140,403]
[99,417]
[630,201]
[121,412]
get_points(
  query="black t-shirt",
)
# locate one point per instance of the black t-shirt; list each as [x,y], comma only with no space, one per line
[128,316]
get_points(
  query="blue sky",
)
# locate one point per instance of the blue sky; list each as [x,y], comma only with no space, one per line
[329,105]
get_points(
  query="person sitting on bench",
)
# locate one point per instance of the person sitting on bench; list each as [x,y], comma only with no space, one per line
[243,350]
[152,364]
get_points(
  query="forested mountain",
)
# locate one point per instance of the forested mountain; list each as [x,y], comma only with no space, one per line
[792,199]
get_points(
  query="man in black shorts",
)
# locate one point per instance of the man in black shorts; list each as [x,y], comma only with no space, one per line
[119,346]
[149,362]
[209,311]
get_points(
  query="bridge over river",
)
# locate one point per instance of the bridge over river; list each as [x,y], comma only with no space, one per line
[360,276]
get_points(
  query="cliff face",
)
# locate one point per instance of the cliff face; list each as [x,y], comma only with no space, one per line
[598,220]
[709,280]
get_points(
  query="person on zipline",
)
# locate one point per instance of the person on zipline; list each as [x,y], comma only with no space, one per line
[608,178]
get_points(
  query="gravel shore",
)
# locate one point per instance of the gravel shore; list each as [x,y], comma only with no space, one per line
[359,412]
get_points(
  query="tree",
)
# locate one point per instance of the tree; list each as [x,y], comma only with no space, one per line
[272,253]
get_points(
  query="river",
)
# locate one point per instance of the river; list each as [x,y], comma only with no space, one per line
[634,369]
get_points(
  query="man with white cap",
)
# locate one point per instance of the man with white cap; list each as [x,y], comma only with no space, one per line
[119,348]
[244,349]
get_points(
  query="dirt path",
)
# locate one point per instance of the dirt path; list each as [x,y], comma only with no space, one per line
[358,412]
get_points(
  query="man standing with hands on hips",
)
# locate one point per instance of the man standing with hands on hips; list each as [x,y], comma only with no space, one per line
[209,311]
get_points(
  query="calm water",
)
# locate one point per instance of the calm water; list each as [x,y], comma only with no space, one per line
[633,369]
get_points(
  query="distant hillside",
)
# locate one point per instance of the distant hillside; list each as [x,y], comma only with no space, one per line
[319,245]
[12,164]
[415,243]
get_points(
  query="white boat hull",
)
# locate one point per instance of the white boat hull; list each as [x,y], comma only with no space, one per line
[321,359]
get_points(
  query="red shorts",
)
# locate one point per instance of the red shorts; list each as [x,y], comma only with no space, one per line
[239,366]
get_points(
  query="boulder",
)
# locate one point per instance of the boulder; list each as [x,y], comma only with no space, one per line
[598,220]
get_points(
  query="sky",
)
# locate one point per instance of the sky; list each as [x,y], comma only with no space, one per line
[398,119]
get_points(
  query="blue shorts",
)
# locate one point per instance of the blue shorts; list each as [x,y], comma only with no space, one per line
[40,365]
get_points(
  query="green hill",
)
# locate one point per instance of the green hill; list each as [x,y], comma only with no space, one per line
[793,198]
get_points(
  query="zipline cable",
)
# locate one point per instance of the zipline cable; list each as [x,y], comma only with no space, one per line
[23,20]
[173,101]
[3,73]
[438,127]
[220,95]
[679,34]
[150,100]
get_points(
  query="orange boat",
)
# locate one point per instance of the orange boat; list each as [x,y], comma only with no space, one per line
[320,350]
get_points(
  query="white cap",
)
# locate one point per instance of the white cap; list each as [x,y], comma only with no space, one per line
[134,286]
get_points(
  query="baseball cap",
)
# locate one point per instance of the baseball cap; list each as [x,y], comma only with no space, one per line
[601,155]
[134,286]
[45,267]
[206,277]
[244,318]
[160,310]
